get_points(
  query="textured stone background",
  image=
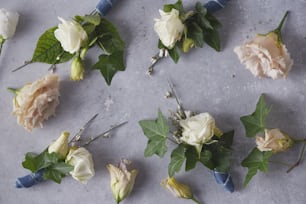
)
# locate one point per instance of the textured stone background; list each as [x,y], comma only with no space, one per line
[205,80]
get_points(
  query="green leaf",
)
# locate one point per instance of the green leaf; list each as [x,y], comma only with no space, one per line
[53,175]
[222,157]
[62,167]
[48,49]
[35,162]
[212,38]
[206,159]
[191,158]
[178,6]
[157,132]
[30,162]
[255,161]
[160,45]
[110,64]
[109,38]
[177,160]
[226,139]
[213,21]
[196,33]
[256,122]
[174,53]
[92,19]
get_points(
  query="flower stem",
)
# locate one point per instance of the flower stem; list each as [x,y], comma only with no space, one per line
[22,66]
[277,31]
[281,163]
[195,200]
[1,44]
[104,134]
[299,160]
[12,90]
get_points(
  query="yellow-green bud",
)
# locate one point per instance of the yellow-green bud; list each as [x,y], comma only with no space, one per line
[187,44]
[177,189]
[77,69]
[60,146]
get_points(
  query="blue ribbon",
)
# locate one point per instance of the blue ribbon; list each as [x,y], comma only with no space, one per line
[104,6]
[30,180]
[225,179]
[215,5]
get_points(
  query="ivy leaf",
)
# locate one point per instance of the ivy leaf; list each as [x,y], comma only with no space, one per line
[92,19]
[109,65]
[212,38]
[178,6]
[157,132]
[62,167]
[191,158]
[177,160]
[48,49]
[206,159]
[35,162]
[226,139]
[255,161]
[174,53]
[256,122]
[213,20]
[109,38]
[195,32]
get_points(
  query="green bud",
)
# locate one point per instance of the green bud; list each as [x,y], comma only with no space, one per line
[187,44]
[77,69]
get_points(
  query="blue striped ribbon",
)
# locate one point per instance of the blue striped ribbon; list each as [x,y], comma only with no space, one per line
[215,5]
[29,180]
[104,6]
[225,179]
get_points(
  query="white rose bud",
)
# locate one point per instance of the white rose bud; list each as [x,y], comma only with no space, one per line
[169,27]
[122,179]
[265,56]
[60,146]
[82,162]
[36,101]
[198,130]
[274,140]
[8,23]
[71,35]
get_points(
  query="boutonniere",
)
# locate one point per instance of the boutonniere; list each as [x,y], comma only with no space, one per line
[179,31]
[266,55]
[269,141]
[62,157]
[8,24]
[72,39]
[195,138]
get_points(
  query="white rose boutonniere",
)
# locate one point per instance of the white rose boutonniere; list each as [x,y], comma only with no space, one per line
[266,55]
[196,139]
[8,23]
[179,31]
[36,102]
[83,167]
[272,142]
[72,39]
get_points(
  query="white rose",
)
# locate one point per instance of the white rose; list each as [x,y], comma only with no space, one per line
[274,141]
[71,35]
[36,101]
[198,130]
[8,23]
[122,179]
[60,146]
[169,27]
[82,162]
[265,56]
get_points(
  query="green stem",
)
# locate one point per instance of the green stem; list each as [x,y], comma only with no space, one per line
[299,159]
[195,200]
[277,31]
[12,90]
[282,163]
[1,44]
[22,66]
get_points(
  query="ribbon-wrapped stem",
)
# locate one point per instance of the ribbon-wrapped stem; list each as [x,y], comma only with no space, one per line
[104,6]
[216,5]
[224,179]
[29,180]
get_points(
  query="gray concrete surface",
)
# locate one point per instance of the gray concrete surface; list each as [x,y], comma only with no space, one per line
[205,80]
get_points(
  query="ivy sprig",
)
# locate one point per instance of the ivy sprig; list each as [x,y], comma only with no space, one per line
[215,156]
[52,166]
[100,32]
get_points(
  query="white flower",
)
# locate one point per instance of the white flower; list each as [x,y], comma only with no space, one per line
[177,189]
[36,101]
[60,146]
[122,179]
[274,141]
[265,56]
[169,27]
[71,35]
[8,23]
[198,130]
[82,162]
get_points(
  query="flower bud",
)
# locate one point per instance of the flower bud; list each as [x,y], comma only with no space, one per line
[8,23]
[274,140]
[82,162]
[187,44]
[77,69]
[177,189]
[60,146]
[122,179]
